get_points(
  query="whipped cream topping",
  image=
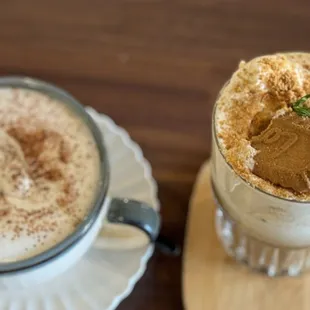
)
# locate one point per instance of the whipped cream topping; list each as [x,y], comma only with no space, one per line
[264,86]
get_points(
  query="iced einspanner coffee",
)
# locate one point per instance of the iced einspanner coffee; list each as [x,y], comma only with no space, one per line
[261,163]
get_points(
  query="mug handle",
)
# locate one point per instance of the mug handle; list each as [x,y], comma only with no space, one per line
[132,213]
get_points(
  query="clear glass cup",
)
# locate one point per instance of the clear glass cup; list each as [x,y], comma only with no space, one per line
[268,233]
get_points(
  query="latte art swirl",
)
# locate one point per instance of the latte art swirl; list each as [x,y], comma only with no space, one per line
[14,178]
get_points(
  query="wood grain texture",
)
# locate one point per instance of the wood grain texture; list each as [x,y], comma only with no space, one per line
[213,281]
[154,66]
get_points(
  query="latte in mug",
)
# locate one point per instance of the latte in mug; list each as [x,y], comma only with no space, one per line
[49,172]
[54,180]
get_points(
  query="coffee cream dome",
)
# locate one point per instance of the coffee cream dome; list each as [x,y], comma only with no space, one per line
[262,89]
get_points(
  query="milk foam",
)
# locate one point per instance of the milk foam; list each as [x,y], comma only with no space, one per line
[49,173]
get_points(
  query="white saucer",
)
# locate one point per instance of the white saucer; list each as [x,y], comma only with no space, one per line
[103,278]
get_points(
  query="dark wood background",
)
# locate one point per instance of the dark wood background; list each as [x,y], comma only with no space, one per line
[154,66]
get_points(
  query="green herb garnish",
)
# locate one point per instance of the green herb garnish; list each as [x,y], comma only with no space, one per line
[299,107]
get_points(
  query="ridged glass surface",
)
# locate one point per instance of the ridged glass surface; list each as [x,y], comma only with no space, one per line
[258,255]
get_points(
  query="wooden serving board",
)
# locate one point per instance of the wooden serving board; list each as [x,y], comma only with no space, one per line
[212,281]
